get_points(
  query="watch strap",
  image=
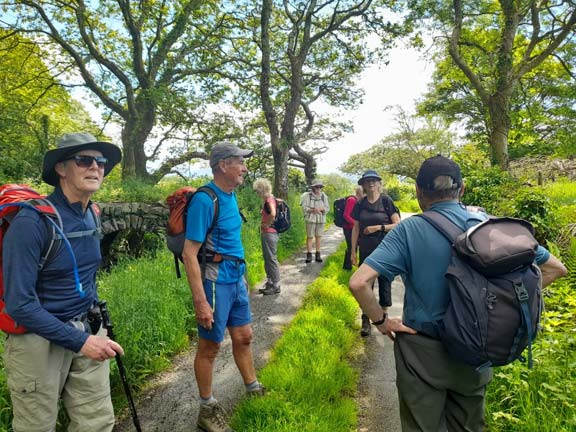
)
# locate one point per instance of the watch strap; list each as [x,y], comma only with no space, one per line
[382,321]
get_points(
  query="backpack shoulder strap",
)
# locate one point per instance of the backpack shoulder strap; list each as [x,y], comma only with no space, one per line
[46,209]
[208,190]
[442,224]
[97,232]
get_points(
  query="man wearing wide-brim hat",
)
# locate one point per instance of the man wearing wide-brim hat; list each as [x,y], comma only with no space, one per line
[65,352]
[315,206]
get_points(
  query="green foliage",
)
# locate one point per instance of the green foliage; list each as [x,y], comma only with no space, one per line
[537,208]
[36,111]
[488,79]
[488,188]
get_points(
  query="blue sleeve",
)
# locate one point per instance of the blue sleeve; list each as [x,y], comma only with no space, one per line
[389,258]
[21,251]
[542,255]
[199,217]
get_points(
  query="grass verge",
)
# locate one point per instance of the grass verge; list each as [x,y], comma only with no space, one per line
[311,384]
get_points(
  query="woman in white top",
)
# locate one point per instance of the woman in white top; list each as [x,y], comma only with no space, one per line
[315,205]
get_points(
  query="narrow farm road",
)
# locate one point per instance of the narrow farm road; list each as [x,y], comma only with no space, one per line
[171,402]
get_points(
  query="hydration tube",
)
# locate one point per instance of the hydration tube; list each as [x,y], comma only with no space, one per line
[78,285]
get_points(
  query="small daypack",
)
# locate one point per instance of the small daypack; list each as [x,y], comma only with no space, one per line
[495,290]
[178,203]
[282,221]
[14,197]
[339,206]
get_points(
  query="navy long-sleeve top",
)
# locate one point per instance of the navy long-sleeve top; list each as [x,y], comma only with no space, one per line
[43,302]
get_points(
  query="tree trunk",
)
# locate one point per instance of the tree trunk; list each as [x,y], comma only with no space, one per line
[280,155]
[499,109]
[135,132]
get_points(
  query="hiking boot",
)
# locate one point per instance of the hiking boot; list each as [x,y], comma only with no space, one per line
[308,257]
[260,391]
[211,419]
[318,259]
[366,328]
[270,290]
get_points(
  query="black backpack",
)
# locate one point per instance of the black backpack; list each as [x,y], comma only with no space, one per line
[339,206]
[495,290]
[282,221]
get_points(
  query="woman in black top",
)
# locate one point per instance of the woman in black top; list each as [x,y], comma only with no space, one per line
[374,216]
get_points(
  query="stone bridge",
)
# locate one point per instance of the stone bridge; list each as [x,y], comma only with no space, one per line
[125,226]
[145,217]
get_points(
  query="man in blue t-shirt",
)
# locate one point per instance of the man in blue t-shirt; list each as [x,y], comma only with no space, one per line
[218,288]
[435,392]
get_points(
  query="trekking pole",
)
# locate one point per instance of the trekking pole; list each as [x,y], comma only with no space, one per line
[108,326]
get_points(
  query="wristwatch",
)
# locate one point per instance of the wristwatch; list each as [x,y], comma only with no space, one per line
[382,321]
[383,228]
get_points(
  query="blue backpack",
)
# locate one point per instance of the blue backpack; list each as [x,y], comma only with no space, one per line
[495,290]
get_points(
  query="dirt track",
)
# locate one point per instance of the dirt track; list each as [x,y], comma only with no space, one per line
[171,402]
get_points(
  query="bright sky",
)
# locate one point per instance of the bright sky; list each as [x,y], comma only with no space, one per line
[400,83]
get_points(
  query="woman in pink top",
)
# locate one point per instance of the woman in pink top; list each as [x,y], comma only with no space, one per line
[349,224]
[269,237]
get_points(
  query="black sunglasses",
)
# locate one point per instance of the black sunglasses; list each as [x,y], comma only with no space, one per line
[85,161]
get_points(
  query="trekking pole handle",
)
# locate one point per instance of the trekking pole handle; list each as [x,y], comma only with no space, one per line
[106,322]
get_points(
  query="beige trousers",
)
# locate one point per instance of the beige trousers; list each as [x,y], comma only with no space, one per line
[39,373]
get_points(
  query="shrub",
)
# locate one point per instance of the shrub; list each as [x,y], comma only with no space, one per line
[537,208]
[488,188]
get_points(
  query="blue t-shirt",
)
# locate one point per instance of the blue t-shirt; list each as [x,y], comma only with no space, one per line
[225,238]
[418,252]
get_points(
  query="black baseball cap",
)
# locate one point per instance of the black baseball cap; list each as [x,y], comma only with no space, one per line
[438,166]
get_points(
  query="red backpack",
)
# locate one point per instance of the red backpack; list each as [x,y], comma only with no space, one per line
[14,197]
[178,202]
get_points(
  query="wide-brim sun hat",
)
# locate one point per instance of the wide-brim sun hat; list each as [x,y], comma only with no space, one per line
[317,183]
[73,143]
[369,174]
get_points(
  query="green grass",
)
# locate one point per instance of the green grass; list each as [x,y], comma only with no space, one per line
[309,378]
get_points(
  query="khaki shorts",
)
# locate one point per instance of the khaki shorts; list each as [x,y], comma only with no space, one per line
[40,372]
[314,229]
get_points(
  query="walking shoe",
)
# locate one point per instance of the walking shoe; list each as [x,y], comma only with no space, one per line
[260,391]
[318,259]
[270,290]
[366,328]
[309,257]
[211,419]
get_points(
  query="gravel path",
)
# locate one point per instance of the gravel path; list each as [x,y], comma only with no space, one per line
[170,403]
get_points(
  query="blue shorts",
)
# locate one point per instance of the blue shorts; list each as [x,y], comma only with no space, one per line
[230,306]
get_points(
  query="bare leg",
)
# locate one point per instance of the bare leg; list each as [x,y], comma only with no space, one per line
[204,366]
[318,240]
[242,351]
[309,244]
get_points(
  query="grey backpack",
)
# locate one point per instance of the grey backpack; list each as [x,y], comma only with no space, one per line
[495,290]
